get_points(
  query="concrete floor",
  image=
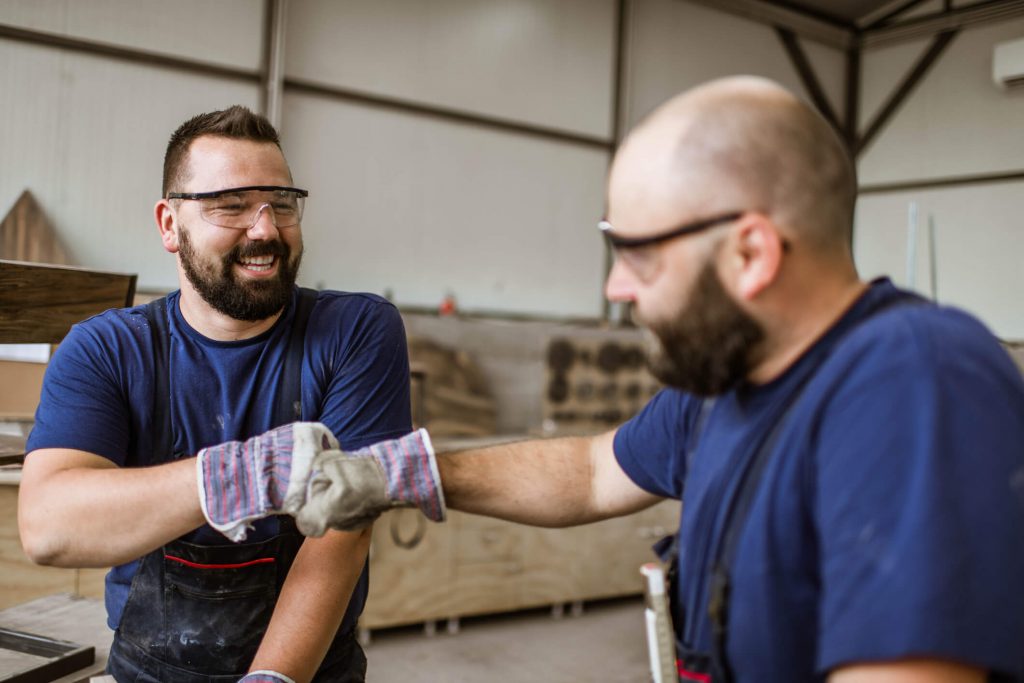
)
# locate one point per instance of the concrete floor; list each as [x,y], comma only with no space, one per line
[605,644]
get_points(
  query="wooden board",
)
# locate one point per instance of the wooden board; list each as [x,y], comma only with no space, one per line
[65,617]
[39,304]
[27,235]
[476,565]
[22,383]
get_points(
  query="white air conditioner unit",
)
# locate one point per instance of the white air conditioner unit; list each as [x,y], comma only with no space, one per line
[1008,64]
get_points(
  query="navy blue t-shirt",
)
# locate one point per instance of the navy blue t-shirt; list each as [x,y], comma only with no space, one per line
[98,393]
[888,522]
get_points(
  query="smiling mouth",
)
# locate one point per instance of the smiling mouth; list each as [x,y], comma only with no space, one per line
[257,264]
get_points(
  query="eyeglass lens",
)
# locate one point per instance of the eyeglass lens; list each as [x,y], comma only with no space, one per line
[643,261]
[241,209]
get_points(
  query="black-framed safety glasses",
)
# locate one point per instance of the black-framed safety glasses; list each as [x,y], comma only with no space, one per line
[240,207]
[637,252]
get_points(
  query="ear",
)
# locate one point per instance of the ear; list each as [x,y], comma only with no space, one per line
[167,224]
[755,255]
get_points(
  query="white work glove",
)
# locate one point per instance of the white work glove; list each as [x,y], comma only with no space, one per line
[265,676]
[240,482]
[349,490]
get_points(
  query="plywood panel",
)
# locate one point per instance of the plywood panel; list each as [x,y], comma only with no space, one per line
[27,235]
[533,61]
[226,32]
[421,209]
[407,582]
[22,384]
[476,565]
[89,583]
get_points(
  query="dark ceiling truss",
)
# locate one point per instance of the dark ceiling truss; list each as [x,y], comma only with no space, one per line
[902,91]
[894,13]
[890,24]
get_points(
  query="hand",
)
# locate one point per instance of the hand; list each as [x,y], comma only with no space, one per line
[243,481]
[264,676]
[349,490]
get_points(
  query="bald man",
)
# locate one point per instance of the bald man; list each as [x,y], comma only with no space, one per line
[851,457]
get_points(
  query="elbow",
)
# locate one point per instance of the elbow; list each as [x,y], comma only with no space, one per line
[41,550]
[40,544]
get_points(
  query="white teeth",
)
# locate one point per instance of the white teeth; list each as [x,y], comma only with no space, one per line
[258,263]
[258,260]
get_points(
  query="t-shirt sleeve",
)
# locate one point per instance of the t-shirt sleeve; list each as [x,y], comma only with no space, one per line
[82,404]
[650,447]
[367,382]
[920,502]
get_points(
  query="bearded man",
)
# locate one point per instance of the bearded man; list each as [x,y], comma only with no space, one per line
[850,457]
[226,367]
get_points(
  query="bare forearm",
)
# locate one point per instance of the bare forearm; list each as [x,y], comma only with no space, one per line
[312,604]
[908,671]
[89,516]
[542,483]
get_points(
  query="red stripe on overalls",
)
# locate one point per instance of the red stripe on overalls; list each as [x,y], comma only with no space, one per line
[239,565]
[692,675]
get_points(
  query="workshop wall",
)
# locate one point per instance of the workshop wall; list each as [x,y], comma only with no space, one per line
[675,45]
[86,134]
[418,206]
[956,123]
[418,203]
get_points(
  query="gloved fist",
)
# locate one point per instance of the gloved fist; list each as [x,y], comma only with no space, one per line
[265,677]
[244,481]
[349,490]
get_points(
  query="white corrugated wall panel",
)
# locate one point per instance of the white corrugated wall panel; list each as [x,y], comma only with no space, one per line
[979,247]
[956,122]
[87,135]
[676,45]
[423,208]
[227,32]
[531,61]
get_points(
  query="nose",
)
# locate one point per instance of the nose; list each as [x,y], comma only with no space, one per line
[265,225]
[621,283]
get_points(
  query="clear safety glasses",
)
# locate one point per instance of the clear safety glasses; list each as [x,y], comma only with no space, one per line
[240,207]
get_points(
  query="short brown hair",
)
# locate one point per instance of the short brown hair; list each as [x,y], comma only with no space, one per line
[234,122]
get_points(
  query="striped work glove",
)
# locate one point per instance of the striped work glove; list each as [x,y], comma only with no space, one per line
[349,490]
[265,677]
[242,481]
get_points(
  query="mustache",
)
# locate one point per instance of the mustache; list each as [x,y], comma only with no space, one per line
[275,248]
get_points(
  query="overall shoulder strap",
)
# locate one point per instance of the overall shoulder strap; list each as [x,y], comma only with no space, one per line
[289,405]
[750,479]
[163,440]
[289,398]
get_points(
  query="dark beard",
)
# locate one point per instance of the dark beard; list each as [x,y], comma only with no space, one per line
[710,346]
[249,301]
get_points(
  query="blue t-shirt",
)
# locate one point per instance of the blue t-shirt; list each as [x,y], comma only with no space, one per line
[99,387]
[888,521]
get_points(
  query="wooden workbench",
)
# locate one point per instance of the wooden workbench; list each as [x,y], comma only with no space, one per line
[62,617]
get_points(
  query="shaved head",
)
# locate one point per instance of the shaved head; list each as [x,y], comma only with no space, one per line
[739,144]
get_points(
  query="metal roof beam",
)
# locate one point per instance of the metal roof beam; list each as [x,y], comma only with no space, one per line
[903,90]
[807,76]
[801,23]
[886,14]
[948,19]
